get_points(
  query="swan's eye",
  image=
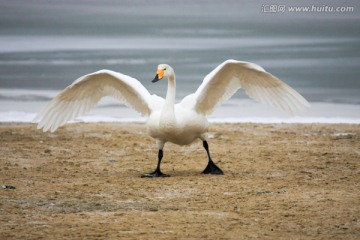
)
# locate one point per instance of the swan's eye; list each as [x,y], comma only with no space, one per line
[164,69]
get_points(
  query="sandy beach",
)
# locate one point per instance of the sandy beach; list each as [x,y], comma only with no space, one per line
[282,181]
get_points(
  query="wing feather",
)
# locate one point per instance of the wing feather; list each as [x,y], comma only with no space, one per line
[220,84]
[85,92]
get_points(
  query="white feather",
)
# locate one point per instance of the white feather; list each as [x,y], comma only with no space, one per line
[86,92]
[228,77]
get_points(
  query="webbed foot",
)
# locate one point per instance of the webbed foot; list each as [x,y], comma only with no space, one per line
[211,168]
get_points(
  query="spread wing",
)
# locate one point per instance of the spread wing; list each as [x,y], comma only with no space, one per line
[85,92]
[220,84]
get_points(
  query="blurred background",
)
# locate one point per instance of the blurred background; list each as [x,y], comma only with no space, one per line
[313,46]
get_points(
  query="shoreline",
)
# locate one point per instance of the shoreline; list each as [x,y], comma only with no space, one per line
[235,110]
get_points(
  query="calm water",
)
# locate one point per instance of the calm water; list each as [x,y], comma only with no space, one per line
[46,45]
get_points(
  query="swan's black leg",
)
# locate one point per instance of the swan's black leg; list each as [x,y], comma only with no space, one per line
[211,168]
[157,172]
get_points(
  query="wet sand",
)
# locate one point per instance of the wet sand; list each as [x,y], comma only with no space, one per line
[282,181]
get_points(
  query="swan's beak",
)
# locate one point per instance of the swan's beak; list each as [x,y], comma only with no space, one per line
[159,75]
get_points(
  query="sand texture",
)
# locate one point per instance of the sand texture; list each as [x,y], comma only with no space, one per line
[282,181]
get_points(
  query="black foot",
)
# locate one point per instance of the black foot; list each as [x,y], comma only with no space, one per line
[154,174]
[211,168]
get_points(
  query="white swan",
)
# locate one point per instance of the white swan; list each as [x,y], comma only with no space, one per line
[180,123]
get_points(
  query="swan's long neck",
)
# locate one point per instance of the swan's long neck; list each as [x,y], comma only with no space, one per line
[168,113]
[171,92]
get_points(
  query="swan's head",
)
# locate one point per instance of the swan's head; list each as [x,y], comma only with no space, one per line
[163,71]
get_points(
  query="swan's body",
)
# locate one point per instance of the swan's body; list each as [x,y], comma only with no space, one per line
[180,123]
[176,123]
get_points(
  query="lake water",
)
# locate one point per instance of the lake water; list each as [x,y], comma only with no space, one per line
[46,45]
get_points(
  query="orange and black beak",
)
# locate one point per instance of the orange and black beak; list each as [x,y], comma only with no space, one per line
[159,75]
